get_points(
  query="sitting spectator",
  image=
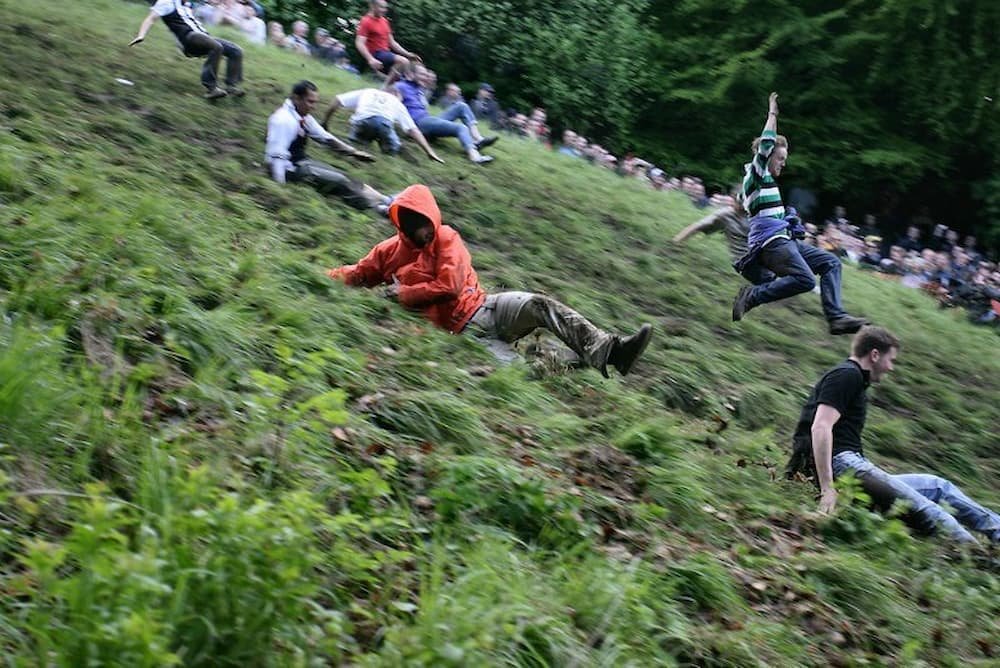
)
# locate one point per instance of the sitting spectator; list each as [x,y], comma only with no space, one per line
[942,274]
[869,227]
[569,141]
[299,39]
[658,179]
[376,43]
[912,239]
[276,35]
[519,124]
[536,127]
[241,15]
[695,189]
[894,263]
[414,99]
[332,51]
[452,95]
[376,113]
[288,132]
[871,257]
[485,105]
[970,248]
[830,240]
[950,240]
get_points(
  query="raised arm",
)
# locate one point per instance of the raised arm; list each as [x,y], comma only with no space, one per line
[822,441]
[771,125]
[147,23]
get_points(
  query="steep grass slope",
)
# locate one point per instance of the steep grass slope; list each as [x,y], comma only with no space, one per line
[212,455]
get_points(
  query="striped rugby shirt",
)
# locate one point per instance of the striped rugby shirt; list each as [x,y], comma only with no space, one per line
[761,197]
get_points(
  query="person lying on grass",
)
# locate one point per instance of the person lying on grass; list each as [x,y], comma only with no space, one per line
[288,131]
[427,267]
[827,445]
[770,241]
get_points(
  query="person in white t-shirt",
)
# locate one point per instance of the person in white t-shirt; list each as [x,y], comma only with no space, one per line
[376,115]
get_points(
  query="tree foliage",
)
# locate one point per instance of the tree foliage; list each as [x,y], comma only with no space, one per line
[888,104]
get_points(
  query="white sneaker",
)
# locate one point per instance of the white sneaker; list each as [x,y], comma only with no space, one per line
[482,159]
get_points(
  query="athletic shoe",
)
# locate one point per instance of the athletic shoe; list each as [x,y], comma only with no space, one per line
[741,304]
[215,93]
[846,324]
[236,91]
[486,141]
[626,351]
[482,159]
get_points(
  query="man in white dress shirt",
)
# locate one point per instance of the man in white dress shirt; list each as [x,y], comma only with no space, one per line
[195,42]
[289,130]
[376,115]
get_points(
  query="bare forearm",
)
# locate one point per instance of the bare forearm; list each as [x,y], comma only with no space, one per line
[362,47]
[147,23]
[398,48]
[340,146]
[418,137]
[334,106]
[705,222]
[822,440]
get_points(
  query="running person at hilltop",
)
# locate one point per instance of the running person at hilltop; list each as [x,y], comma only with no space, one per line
[770,241]
[195,42]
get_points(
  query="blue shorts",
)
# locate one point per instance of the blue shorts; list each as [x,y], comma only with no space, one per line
[387,58]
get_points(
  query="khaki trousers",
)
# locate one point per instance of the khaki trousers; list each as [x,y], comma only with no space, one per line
[509,316]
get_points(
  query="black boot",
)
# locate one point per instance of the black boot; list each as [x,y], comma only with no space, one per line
[626,351]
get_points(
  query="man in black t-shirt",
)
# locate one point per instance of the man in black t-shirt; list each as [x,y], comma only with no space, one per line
[195,42]
[827,444]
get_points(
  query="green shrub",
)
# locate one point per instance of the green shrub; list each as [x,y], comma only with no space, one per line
[496,492]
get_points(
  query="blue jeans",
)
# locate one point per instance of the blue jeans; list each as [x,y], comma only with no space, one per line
[445,125]
[924,492]
[377,128]
[796,265]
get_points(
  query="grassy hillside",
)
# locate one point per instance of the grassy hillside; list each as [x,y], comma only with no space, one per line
[212,455]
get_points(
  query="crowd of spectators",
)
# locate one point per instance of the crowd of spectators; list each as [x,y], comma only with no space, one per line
[954,272]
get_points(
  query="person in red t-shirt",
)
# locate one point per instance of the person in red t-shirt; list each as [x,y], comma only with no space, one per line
[376,44]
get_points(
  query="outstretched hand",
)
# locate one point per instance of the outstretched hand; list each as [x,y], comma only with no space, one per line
[772,103]
[136,41]
[828,501]
[436,158]
[392,290]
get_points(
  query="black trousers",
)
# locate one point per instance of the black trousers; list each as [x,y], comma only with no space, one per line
[198,44]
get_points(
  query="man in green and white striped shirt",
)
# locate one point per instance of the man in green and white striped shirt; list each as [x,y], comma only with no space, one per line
[770,243]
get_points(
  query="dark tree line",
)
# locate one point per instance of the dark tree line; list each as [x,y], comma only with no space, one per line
[889,105]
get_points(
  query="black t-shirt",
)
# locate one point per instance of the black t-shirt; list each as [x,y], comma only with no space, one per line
[842,387]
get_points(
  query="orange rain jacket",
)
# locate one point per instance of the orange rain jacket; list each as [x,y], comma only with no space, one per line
[438,279]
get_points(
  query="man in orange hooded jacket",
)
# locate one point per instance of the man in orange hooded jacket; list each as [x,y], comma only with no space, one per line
[428,268]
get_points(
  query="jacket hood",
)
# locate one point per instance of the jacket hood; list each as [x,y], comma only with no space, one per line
[417,198]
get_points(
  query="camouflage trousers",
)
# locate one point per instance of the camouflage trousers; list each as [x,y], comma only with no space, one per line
[509,316]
